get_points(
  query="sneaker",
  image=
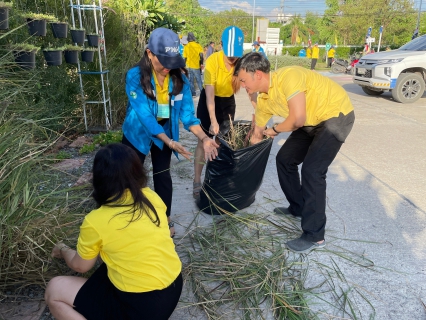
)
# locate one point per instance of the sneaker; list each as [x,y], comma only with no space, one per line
[300,245]
[285,211]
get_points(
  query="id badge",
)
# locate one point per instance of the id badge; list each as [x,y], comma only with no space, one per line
[163,111]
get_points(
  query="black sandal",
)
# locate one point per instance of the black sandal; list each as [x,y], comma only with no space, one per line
[196,189]
[171,225]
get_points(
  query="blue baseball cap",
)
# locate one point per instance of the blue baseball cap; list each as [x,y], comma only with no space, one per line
[164,43]
[256,43]
[232,42]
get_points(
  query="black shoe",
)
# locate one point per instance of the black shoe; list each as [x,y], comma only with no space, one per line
[300,245]
[285,211]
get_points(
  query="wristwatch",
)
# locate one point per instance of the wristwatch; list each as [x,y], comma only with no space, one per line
[273,128]
[171,224]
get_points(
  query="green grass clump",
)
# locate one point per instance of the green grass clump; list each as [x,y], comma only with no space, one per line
[87,148]
[109,137]
[61,155]
[34,210]
[102,139]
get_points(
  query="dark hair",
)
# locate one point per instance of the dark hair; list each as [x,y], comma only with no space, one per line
[117,168]
[145,67]
[251,62]
[212,42]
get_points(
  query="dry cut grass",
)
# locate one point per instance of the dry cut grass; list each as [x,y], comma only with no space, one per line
[239,268]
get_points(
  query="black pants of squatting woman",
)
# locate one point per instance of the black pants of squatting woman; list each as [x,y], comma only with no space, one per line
[224,109]
[315,147]
[161,170]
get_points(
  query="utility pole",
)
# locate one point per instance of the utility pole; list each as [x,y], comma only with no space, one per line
[418,18]
[252,33]
[281,13]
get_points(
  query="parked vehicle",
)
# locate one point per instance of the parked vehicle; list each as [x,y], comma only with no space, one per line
[401,71]
[345,66]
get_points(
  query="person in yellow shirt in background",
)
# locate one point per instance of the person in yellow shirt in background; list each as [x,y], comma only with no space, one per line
[217,101]
[140,276]
[309,52]
[330,56]
[319,115]
[193,54]
[315,56]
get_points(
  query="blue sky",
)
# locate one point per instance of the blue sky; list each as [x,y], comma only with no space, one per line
[267,8]
[270,8]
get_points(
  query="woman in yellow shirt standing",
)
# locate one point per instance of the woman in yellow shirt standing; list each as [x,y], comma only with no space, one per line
[217,101]
[330,56]
[315,56]
[140,277]
[309,52]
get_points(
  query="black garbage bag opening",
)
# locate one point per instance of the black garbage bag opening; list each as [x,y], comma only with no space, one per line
[233,178]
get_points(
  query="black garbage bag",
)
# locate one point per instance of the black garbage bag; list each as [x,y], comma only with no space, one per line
[233,178]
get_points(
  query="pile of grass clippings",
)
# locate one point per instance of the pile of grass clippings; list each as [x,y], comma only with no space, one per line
[239,134]
[239,268]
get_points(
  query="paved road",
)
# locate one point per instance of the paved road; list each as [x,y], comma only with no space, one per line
[376,199]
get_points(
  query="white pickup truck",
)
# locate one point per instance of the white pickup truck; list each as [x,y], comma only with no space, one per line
[401,71]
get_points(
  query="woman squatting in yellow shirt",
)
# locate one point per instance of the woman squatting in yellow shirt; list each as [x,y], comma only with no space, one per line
[140,277]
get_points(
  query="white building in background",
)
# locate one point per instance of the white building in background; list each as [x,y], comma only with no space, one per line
[272,46]
[267,37]
[261,30]
[284,18]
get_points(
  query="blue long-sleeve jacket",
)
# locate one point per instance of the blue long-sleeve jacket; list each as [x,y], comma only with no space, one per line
[140,125]
[261,51]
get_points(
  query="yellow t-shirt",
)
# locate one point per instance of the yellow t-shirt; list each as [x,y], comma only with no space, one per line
[331,53]
[309,53]
[325,99]
[162,94]
[315,53]
[216,74]
[192,54]
[140,256]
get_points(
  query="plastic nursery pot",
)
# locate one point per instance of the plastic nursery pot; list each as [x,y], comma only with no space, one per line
[93,40]
[4,18]
[87,55]
[25,59]
[59,29]
[37,27]
[71,56]
[78,36]
[53,57]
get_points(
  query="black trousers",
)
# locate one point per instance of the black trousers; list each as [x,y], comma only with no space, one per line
[315,147]
[161,171]
[224,108]
[99,299]
[313,63]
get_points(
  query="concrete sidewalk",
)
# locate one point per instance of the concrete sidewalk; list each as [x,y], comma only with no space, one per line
[376,203]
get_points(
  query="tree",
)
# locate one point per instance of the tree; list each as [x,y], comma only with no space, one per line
[351,19]
[296,31]
[194,16]
[218,22]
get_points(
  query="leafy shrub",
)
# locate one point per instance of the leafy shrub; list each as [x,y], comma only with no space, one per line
[284,61]
[292,51]
[87,148]
[61,155]
[343,52]
[105,138]
[102,139]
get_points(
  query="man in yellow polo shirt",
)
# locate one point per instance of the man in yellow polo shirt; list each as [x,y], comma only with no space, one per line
[315,56]
[330,56]
[193,55]
[320,116]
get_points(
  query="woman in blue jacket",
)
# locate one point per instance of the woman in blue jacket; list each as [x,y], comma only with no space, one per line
[159,96]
